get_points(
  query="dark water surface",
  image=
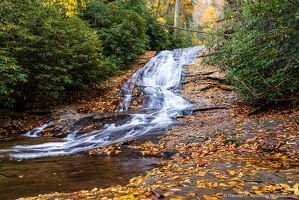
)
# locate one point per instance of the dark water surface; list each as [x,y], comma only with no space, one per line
[21,178]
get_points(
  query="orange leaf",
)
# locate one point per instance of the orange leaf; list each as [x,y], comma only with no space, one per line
[251,140]
[201,163]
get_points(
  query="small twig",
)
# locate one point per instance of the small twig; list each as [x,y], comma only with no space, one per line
[210,108]
[257,181]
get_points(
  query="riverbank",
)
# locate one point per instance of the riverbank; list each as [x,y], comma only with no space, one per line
[219,153]
[98,99]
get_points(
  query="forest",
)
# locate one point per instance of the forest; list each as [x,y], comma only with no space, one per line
[149,99]
[51,46]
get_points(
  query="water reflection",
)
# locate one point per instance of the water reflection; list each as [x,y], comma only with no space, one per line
[67,174]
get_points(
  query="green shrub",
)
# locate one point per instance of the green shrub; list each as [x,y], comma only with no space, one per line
[122,32]
[261,52]
[10,77]
[46,51]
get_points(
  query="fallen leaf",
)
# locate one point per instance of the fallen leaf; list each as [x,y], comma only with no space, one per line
[284,186]
[154,195]
[94,189]
[251,140]
[192,193]
[200,174]
[231,172]
[207,197]
[117,151]
[201,163]
[167,194]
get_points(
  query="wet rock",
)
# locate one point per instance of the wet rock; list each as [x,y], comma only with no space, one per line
[170,144]
[169,153]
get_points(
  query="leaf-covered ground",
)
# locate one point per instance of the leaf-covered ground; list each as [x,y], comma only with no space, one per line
[219,153]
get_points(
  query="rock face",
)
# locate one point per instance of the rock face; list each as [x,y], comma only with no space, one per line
[68,121]
[205,86]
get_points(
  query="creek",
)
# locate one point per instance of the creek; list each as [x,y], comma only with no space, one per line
[31,164]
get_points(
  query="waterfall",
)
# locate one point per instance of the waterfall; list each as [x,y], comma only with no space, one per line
[157,80]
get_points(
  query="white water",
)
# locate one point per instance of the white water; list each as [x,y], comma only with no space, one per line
[157,80]
[36,132]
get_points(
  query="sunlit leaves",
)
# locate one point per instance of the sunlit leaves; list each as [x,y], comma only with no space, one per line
[69,7]
[208,18]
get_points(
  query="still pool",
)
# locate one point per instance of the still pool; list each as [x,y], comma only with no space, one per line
[23,178]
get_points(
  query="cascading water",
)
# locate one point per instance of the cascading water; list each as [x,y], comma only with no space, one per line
[157,81]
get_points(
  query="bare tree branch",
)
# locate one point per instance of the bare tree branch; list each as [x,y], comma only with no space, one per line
[184,29]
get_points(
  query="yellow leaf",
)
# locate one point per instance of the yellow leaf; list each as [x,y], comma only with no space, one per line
[164,188]
[235,179]
[284,186]
[117,151]
[218,194]
[192,194]
[179,170]
[212,184]
[200,184]
[176,189]
[167,194]
[231,172]
[176,177]
[253,174]
[220,176]
[207,197]
[232,183]
[128,197]
[200,174]
[94,189]
[165,167]
[257,192]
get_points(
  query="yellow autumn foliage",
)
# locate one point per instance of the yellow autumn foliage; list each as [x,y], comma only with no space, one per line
[209,15]
[69,6]
[208,18]
[161,20]
[160,7]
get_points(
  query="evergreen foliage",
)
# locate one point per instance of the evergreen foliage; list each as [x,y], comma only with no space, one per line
[122,31]
[258,44]
[45,48]
[45,52]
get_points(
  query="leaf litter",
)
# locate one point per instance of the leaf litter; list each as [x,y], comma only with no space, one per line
[217,154]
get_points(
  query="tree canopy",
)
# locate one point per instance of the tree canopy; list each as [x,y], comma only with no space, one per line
[48,46]
[44,52]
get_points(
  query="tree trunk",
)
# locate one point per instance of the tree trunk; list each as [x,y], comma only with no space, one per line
[176,13]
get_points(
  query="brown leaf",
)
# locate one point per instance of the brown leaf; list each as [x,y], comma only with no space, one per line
[201,163]
[251,140]
[154,195]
